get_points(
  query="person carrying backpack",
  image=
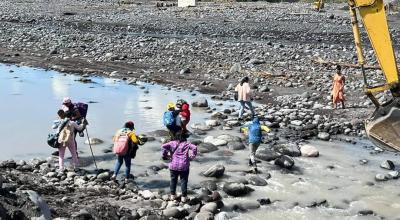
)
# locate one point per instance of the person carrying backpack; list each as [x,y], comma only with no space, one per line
[66,129]
[75,112]
[71,111]
[125,146]
[255,137]
[181,152]
[171,120]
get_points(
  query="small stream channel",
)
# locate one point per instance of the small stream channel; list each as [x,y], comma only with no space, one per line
[31,97]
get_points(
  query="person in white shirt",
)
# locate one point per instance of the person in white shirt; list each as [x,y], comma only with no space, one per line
[244,96]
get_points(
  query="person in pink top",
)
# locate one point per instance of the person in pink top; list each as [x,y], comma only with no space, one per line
[244,96]
[66,128]
[181,153]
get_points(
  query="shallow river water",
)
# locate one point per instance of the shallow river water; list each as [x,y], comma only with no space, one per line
[31,97]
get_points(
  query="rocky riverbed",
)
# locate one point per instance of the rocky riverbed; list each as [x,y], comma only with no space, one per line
[338,177]
[208,48]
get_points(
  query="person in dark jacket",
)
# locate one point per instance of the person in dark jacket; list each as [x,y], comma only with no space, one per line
[255,137]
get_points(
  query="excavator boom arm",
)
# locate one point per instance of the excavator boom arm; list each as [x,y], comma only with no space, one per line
[375,23]
[383,128]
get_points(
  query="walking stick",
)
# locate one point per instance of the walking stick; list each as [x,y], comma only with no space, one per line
[90,145]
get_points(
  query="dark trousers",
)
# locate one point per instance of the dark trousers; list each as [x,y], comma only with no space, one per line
[184,176]
[173,130]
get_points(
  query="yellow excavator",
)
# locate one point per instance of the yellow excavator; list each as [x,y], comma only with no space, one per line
[318,5]
[383,127]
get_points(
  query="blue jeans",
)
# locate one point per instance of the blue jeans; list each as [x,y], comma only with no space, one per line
[184,176]
[243,106]
[120,160]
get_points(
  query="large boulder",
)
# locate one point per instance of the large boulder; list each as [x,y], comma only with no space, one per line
[394,174]
[218,115]
[266,154]
[204,216]
[202,102]
[104,176]
[388,164]
[216,171]
[290,149]
[309,151]
[158,133]
[147,194]
[207,148]
[381,177]
[248,205]
[200,126]
[236,189]
[210,207]
[212,123]
[236,145]
[324,136]
[257,181]
[284,162]
[209,185]
[229,138]
[221,216]
[174,212]
[215,141]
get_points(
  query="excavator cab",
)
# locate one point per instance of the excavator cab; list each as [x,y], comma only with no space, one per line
[383,127]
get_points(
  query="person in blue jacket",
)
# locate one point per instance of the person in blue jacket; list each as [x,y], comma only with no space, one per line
[255,137]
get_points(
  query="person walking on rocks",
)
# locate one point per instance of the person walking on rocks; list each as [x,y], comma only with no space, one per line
[255,136]
[125,147]
[181,152]
[338,88]
[171,120]
[66,129]
[244,96]
[72,111]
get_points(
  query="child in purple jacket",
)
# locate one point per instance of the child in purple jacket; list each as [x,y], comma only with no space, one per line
[181,153]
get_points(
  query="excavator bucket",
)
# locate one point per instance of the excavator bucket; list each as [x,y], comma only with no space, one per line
[383,128]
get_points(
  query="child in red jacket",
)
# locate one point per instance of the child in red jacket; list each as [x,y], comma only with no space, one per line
[185,116]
